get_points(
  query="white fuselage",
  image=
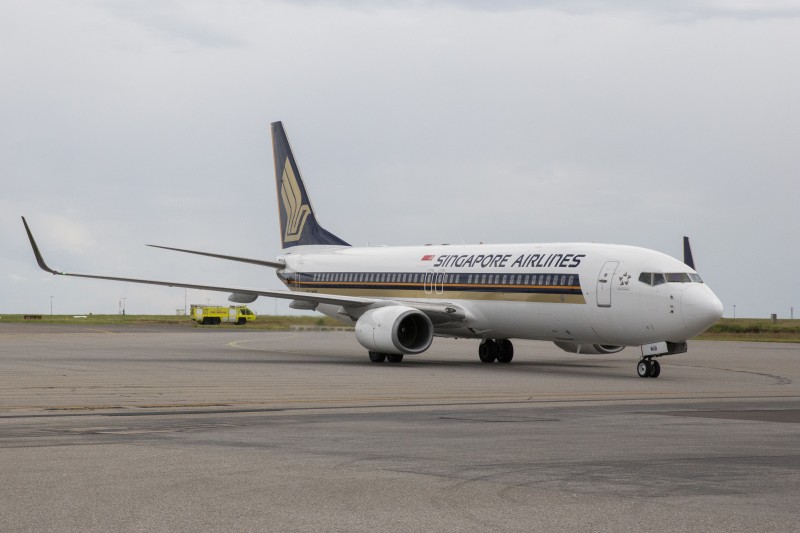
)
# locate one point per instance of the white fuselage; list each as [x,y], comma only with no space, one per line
[587,293]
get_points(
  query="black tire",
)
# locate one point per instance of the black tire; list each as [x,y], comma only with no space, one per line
[643,368]
[394,358]
[376,357]
[655,370]
[205,321]
[487,351]
[505,351]
[217,321]
[242,321]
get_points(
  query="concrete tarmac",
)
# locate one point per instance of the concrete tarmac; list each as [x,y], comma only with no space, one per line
[173,429]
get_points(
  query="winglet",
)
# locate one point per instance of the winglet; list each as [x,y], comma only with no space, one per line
[687,253]
[36,252]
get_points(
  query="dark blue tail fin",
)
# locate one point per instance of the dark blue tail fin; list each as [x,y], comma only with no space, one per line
[299,226]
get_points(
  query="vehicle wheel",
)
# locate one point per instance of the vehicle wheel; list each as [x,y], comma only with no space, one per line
[487,351]
[655,369]
[505,351]
[376,357]
[217,321]
[205,321]
[394,358]
[241,321]
[643,368]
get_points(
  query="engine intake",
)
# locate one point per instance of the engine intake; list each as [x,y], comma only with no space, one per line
[592,349]
[394,329]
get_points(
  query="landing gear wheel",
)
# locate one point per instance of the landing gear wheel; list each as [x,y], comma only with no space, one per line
[488,351]
[643,368]
[394,358]
[376,357]
[506,351]
[655,369]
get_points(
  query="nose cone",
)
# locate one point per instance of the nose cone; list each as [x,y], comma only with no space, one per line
[700,308]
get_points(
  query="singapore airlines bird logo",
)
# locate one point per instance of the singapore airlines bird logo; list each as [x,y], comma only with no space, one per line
[296,211]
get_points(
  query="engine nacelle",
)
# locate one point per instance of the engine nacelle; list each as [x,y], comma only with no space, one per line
[394,329]
[593,349]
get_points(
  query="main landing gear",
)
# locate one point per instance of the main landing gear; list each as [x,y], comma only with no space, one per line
[500,350]
[648,368]
[377,357]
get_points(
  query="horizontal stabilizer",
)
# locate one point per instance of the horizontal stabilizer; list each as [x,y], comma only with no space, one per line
[271,264]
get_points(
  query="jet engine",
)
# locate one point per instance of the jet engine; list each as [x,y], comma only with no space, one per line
[593,349]
[394,329]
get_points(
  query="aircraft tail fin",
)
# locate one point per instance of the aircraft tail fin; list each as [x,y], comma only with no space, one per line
[687,253]
[299,226]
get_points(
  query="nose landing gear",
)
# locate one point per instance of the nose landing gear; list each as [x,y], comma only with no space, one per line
[648,368]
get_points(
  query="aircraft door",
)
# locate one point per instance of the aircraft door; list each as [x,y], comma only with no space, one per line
[604,282]
[434,281]
[428,283]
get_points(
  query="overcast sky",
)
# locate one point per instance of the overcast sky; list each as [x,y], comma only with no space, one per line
[129,122]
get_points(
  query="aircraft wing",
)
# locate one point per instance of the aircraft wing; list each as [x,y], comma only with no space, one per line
[438,312]
[289,295]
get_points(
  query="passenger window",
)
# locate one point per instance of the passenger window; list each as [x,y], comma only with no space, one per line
[571,281]
[505,279]
[483,279]
[527,279]
[563,280]
[547,280]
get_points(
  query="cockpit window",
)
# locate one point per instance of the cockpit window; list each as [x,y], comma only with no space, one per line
[657,278]
[678,277]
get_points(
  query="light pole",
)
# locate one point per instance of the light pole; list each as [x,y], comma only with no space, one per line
[123,305]
[734,310]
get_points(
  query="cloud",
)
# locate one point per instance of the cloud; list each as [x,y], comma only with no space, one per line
[414,122]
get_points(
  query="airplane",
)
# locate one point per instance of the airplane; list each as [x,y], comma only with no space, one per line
[587,298]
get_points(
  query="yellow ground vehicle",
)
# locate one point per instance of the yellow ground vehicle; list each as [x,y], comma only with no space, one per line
[217,314]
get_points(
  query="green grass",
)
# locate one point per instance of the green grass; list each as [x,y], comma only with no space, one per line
[267,322]
[727,329]
[753,329]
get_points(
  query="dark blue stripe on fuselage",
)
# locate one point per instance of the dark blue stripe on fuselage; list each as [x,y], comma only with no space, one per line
[509,283]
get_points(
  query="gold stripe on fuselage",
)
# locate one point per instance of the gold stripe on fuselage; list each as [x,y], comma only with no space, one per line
[449,293]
